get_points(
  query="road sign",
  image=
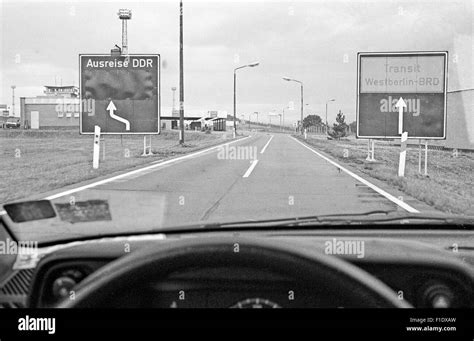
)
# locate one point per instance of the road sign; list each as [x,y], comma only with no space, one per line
[402,91]
[120,94]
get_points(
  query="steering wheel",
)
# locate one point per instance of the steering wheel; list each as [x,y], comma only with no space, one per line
[305,266]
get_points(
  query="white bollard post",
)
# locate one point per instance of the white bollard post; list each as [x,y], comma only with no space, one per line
[373,151]
[403,154]
[102,140]
[96,153]
[305,135]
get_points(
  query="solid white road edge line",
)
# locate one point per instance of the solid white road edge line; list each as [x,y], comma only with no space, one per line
[266,145]
[155,165]
[249,171]
[365,182]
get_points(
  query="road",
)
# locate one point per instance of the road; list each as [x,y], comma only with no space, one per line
[288,180]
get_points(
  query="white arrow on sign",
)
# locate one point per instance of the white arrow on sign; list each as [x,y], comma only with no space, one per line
[400,105]
[111,108]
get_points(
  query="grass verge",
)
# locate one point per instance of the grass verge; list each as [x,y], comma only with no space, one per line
[36,162]
[449,186]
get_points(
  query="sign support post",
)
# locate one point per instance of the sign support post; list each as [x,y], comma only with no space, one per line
[419,156]
[95,157]
[370,150]
[102,140]
[426,158]
[146,147]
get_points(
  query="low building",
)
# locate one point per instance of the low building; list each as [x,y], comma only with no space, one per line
[58,108]
[4,113]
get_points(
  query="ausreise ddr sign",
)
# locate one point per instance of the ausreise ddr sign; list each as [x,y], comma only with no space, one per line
[120,94]
[417,77]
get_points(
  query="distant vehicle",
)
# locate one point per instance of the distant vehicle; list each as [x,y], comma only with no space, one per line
[12,123]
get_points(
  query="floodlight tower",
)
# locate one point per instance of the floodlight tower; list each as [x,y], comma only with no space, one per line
[13,99]
[124,15]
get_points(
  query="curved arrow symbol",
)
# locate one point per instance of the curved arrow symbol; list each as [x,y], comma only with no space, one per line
[111,108]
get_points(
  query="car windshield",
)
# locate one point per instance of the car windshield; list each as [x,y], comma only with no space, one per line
[130,117]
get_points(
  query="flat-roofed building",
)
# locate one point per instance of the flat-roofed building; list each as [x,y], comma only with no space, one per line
[58,108]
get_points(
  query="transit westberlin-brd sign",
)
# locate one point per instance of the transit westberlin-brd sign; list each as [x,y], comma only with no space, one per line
[120,94]
[419,78]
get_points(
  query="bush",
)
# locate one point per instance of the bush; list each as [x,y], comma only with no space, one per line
[340,128]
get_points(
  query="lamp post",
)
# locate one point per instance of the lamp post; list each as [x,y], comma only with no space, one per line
[327,126]
[235,83]
[283,117]
[302,105]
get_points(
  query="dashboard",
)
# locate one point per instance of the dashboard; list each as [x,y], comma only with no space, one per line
[421,268]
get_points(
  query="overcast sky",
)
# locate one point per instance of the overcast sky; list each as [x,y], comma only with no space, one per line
[312,41]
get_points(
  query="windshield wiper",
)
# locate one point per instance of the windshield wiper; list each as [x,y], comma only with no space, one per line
[365,218]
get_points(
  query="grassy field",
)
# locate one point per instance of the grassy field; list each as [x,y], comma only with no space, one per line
[449,186]
[34,162]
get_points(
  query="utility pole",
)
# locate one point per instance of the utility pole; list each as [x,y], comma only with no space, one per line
[235,105]
[181,75]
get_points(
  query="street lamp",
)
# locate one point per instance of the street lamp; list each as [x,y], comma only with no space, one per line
[302,106]
[284,116]
[235,81]
[331,100]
